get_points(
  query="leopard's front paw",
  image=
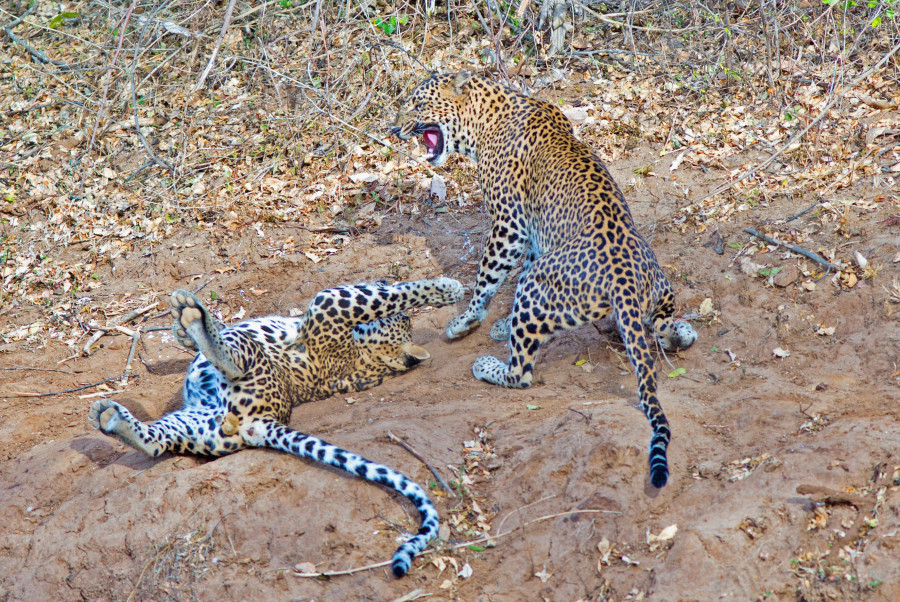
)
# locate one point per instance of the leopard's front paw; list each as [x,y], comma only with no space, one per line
[186,309]
[461,326]
[449,291]
[105,414]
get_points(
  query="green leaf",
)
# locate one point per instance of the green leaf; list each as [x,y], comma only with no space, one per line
[769,272]
[736,245]
[876,21]
[581,362]
[677,372]
[475,548]
[530,406]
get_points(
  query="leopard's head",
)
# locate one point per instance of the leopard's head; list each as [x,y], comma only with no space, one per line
[436,110]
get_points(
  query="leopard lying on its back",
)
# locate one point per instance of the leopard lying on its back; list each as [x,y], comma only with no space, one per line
[553,202]
[241,387]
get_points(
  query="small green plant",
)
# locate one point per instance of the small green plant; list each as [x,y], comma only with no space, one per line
[389,26]
[60,19]
[285,3]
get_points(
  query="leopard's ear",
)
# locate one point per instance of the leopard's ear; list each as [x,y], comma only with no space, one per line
[460,81]
[414,351]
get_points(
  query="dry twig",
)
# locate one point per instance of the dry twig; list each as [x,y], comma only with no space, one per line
[421,459]
[793,248]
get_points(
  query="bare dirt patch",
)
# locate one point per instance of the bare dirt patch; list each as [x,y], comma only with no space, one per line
[783,469]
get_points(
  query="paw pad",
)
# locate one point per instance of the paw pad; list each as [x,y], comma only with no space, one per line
[190,315]
[230,424]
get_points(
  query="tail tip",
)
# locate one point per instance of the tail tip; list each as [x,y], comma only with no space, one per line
[659,476]
[400,565]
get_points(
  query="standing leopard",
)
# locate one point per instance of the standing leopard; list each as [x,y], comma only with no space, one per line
[553,202]
[245,380]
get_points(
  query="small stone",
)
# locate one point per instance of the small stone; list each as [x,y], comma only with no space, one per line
[787,276]
[576,115]
[708,469]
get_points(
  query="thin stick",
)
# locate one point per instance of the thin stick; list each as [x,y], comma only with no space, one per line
[134,343]
[35,369]
[97,384]
[212,59]
[793,248]
[457,546]
[419,457]
[134,104]
[804,212]
[123,26]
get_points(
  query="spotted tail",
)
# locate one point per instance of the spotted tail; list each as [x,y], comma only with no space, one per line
[269,433]
[659,465]
[631,330]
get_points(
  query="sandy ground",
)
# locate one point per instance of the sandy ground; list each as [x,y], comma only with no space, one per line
[783,480]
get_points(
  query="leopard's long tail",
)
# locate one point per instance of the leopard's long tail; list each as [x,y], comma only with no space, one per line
[266,432]
[631,330]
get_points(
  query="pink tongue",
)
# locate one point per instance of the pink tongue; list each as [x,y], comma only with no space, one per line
[431,139]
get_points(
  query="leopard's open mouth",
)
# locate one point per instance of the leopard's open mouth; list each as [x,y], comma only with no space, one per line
[433,139]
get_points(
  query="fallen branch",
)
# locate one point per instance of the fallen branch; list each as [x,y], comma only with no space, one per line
[419,457]
[31,50]
[793,248]
[212,59]
[86,350]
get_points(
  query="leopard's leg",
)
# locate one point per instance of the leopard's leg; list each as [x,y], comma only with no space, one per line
[550,297]
[334,311]
[193,321]
[631,329]
[503,251]
[266,432]
[196,430]
[500,329]
[672,334]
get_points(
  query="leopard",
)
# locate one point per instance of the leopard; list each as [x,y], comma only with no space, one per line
[555,207]
[246,378]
